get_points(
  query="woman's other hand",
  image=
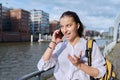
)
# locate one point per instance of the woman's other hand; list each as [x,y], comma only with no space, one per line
[75,60]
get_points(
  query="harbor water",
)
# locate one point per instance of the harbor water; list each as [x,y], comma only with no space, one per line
[18,59]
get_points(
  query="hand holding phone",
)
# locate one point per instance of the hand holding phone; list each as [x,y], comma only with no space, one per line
[59,35]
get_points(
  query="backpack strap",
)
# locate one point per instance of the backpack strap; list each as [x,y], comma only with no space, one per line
[89,47]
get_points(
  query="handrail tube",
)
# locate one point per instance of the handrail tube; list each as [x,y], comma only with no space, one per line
[33,74]
[30,75]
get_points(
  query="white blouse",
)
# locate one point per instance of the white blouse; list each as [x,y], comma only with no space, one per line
[64,70]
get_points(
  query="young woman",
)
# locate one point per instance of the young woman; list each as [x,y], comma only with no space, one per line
[68,53]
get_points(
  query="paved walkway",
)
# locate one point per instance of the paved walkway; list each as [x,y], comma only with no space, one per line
[52,78]
[114,57]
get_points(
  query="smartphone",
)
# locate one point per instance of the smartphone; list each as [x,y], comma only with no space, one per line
[60,35]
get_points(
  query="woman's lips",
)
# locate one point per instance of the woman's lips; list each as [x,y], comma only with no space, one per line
[67,35]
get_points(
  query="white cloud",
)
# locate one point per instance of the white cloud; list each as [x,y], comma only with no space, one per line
[115,1]
[93,13]
[100,22]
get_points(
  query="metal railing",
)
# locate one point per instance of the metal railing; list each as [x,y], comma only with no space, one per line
[36,74]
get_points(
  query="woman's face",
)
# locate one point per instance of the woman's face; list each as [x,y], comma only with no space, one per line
[69,27]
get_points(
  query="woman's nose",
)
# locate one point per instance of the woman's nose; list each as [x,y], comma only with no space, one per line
[64,30]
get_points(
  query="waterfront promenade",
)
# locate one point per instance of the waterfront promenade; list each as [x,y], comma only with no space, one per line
[114,57]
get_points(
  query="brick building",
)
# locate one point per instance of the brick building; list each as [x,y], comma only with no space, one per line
[53,26]
[14,25]
[6,19]
[0,22]
[91,33]
[20,23]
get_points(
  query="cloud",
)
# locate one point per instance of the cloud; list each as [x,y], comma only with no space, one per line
[99,21]
[115,1]
[93,13]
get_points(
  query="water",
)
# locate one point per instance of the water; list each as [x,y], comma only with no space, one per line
[20,58]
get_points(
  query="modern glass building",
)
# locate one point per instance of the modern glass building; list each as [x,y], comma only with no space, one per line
[39,22]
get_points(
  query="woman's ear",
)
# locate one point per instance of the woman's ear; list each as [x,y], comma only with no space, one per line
[78,26]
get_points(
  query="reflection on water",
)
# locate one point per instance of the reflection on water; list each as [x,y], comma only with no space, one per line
[18,59]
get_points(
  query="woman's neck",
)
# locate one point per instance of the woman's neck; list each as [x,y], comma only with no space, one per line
[74,41]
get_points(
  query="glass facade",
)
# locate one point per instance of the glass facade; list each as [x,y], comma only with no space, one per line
[39,21]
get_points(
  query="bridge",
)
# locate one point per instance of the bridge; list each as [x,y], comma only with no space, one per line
[116,36]
[116,28]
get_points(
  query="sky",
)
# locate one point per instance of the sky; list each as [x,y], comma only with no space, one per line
[95,14]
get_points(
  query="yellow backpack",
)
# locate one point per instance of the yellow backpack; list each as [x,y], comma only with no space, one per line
[110,74]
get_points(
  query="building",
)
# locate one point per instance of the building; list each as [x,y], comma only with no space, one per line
[14,24]
[39,22]
[20,23]
[53,26]
[6,19]
[91,33]
[111,31]
[0,22]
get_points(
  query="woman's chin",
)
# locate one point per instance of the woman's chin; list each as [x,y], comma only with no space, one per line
[69,39]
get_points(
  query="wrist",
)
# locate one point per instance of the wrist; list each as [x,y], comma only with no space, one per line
[79,65]
[52,45]
[54,42]
[52,48]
